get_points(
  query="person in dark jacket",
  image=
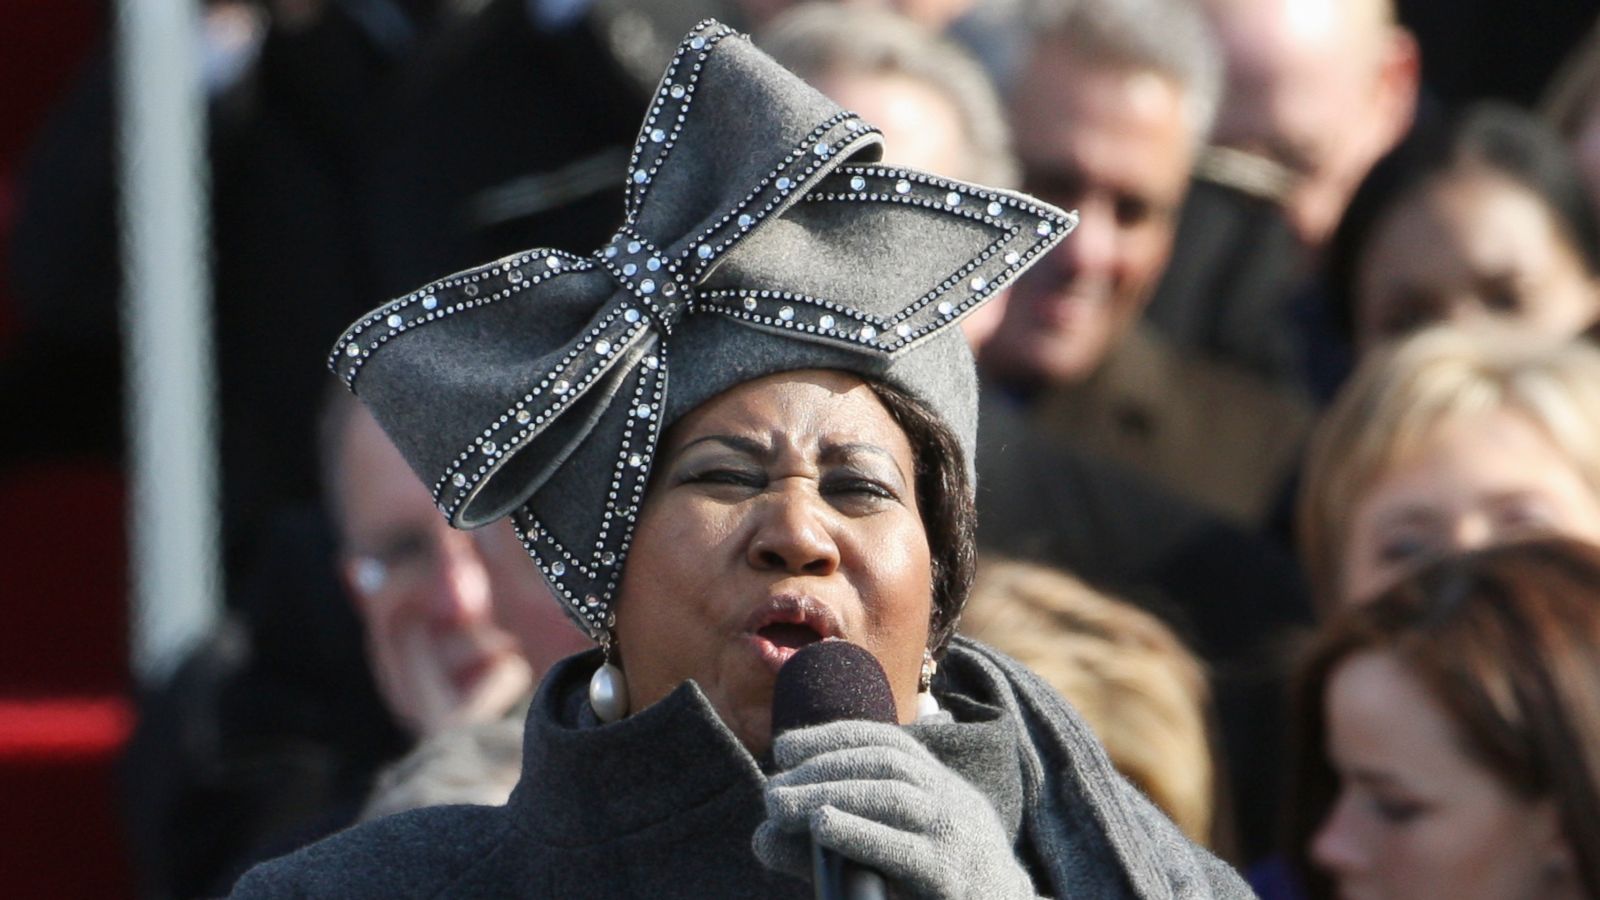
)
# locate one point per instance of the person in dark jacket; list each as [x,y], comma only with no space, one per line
[742,427]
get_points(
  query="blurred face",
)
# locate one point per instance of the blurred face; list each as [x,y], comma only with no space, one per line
[935,14]
[1416,818]
[1467,246]
[459,625]
[781,512]
[922,130]
[1478,480]
[1308,88]
[1117,146]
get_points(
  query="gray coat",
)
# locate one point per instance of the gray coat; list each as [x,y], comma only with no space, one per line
[664,803]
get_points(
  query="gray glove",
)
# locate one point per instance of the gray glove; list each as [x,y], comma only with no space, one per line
[873,793]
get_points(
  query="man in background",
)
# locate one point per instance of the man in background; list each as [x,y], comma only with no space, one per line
[459,625]
[1317,92]
[1109,115]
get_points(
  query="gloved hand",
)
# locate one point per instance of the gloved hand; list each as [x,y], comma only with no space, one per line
[871,792]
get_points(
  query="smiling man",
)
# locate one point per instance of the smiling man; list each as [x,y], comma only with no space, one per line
[1109,115]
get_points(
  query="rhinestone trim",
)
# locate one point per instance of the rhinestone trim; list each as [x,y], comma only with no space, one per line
[625,346]
[1015,220]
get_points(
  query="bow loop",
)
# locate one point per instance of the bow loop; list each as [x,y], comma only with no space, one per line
[759,237]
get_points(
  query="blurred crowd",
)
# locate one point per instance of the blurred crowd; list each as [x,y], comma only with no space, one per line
[1289,457]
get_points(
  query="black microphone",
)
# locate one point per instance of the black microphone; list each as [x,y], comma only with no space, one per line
[831,681]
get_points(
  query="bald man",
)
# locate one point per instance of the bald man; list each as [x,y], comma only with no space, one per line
[1316,92]
[1323,88]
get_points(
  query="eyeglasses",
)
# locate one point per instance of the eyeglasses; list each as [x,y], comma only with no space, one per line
[406,559]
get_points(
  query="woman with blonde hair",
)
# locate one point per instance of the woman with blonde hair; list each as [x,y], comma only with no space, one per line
[1451,440]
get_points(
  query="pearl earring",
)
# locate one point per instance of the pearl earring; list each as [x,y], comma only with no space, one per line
[926,704]
[608,689]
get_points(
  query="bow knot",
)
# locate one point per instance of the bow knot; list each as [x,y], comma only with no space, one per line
[757,238]
[649,276]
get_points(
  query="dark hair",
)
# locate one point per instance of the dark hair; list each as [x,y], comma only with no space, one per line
[1507,641]
[949,515]
[1508,141]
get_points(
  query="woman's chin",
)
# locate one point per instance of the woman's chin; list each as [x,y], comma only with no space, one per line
[749,716]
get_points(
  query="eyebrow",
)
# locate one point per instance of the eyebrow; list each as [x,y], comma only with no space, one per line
[843,452]
[1409,516]
[831,453]
[1374,778]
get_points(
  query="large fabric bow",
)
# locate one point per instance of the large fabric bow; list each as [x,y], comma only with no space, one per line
[758,237]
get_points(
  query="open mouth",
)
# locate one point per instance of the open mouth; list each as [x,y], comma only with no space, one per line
[789,635]
[784,624]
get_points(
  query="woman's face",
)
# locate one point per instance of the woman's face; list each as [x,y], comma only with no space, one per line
[1476,480]
[780,512]
[1471,245]
[1415,818]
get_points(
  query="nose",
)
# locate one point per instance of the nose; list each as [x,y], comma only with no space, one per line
[461,590]
[1336,847]
[792,533]
[1471,532]
[1091,249]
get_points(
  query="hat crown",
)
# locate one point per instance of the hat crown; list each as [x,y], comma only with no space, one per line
[758,237]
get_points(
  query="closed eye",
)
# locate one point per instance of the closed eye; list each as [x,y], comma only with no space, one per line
[726,476]
[858,490]
[1404,548]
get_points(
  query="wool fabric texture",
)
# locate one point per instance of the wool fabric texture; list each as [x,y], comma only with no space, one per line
[672,811]
[759,236]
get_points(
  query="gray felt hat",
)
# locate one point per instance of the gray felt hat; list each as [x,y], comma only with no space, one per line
[759,237]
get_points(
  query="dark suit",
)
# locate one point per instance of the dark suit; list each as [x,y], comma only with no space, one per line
[1230,593]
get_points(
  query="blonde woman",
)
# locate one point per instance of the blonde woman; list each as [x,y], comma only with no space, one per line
[1451,440]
